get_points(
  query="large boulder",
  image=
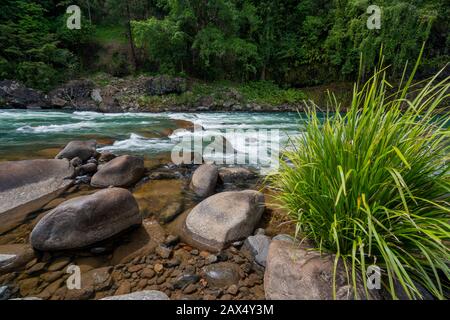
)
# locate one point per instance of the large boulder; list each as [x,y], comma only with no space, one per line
[76,94]
[85,220]
[78,149]
[26,186]
[204,180]
[16,95]
[141,295]
[161,85]
[123,171]
[296,273]
[224,218]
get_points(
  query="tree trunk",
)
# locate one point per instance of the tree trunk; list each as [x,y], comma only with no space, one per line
[88,2]
[130,36]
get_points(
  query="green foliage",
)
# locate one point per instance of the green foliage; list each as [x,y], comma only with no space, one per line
[372,186]
[31,48]
[268,92]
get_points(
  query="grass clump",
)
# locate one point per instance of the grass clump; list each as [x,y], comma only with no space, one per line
[372,186]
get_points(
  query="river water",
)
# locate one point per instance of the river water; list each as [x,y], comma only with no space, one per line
[39,134]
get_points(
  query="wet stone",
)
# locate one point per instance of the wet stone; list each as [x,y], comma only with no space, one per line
[222,274]
[184,280]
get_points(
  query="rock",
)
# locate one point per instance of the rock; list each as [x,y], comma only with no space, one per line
[28,298]
[85,220]
[233,290]
[158,268]
[76,162]
[106,156]
[99,279]
[163,252]
[191,288]
[89,168]
[59,264]
[260,231]
[124,288]
[171,240]
[96,96]
[184,280]
[295,273]
[235,174]
[161,85]
[221,275]
[26,186]
[15,256]
[123,171]
[169,213]
[204,180]
[284,237]
[5,293]
[6,259]
[257,248]
[78,149]
[76,94]
[141,295]
[16,95]
[148,273]
[224,218]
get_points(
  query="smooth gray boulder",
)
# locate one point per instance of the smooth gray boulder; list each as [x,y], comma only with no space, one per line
[81,149]
[298,273]
[257,247]
[204,180]
[141,295]
[123,171]
[224,218]
[85,220]
[26,186]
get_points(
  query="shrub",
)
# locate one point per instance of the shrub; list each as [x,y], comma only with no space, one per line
[372,186]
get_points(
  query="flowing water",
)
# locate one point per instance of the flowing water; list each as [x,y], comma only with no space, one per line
[39,134]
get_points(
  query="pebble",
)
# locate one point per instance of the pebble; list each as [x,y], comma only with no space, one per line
[171,240]
[190,289]
[158,268]
[233,290]
[163,252]
[148,273]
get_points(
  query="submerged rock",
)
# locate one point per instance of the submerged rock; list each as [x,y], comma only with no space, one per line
[85,220]
[26,186]
[235,174]
[123,171]
[204,180]
[222,274]
[78,149]
[295,273]
[141,295]
[224,218]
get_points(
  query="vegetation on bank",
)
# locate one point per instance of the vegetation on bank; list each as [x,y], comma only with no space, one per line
[292,43]
[372,186]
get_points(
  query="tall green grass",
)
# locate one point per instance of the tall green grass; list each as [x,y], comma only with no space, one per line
[372,186]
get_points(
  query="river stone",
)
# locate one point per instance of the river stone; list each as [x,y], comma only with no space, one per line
[123,171]
[85,220]
[4,293]
[141,295]
[257,247]
[204,180]
[221,275]
[15,256]
[27,186]
[296,273]
[235,174]
[224,218]
[81,149]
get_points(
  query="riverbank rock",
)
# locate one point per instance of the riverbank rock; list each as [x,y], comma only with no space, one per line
[76,94]
[204,180]
[15,256]
[85,220]
[141,295]
[161,85]
[296,273]
[235,174]
[123,171]
[257,247]
[16,95]
[78,149]
[224,218]
[222,274]
[26,186]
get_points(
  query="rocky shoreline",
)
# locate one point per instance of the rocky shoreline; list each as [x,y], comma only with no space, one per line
[130,95]
[150,231]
